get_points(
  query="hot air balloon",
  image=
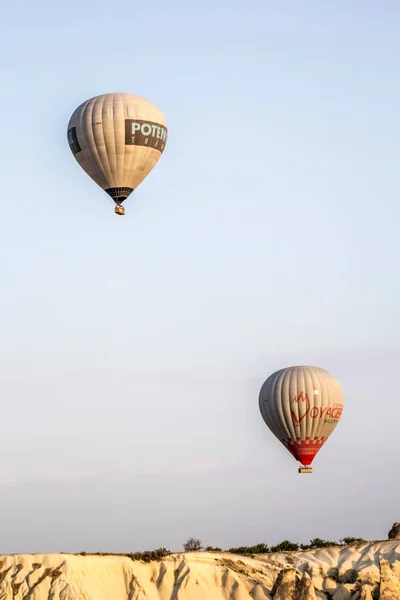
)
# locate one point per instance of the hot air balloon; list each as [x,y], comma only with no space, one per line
[117,139]
[301,406]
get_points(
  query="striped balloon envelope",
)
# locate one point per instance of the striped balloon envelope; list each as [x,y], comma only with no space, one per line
[301,406]
[117,139]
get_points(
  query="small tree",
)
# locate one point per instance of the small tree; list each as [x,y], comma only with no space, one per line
[318,543]
[257,549]
[285,546]
[347,541]
[192,545]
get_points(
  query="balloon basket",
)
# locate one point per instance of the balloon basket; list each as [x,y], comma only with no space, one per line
[119,210]
[305,469]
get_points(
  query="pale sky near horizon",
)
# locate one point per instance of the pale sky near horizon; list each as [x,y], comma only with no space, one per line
[133,349]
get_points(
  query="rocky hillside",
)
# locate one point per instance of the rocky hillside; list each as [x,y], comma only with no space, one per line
[364,572]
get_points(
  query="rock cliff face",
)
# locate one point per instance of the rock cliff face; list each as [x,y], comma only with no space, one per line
[394,533]
[364,572]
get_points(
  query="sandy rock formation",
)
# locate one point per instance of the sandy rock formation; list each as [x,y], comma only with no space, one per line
[389,583]
[365,593]
[359,572]
[317,576]
[285,585]
[343,592]
[330,586]
[305,589]
[289,586]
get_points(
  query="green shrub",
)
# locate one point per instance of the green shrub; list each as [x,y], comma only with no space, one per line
[149,555]
[192,545]
[257,549]
[318,543]
[285,546]
[351,540]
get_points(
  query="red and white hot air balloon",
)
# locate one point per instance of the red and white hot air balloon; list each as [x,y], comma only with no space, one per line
[301,406]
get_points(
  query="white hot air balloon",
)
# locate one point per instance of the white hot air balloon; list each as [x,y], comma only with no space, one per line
[117,139]
[301,406]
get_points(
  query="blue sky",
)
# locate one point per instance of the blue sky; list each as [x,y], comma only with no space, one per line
[132,350]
